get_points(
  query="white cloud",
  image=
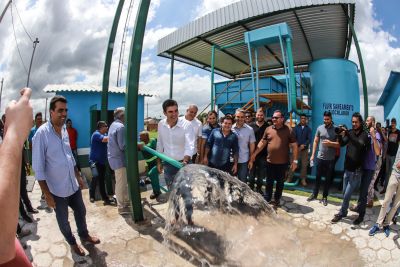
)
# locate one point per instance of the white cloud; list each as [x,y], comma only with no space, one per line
[378,52]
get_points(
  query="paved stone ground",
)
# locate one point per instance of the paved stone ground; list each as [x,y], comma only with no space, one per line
[125,243]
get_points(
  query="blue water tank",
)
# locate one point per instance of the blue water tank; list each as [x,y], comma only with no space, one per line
[334,88]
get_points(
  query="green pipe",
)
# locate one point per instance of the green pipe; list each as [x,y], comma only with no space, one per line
[212,76]
[163,157]
[106,78]
[171,76]
[360,60]
[131,110]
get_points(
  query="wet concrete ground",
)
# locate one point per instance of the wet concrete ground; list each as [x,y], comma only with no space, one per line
[125,243]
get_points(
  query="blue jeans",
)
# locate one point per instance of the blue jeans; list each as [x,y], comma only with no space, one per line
[242,171]
[76,203]
[169,174]
[351,181]
[259,170]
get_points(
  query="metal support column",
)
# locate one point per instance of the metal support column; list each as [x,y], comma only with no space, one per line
[171,77]
[292,80]
[256,100]
[252,74]
[106,80]
[360,60]
[212,77]
[131,110]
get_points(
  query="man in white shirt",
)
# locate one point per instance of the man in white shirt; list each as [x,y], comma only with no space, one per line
[195,124]
[175,140]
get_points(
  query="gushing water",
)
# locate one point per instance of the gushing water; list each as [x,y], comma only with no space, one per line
[214,219]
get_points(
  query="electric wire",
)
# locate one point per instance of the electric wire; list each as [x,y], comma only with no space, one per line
[123,43]
[23,26]
[16,41]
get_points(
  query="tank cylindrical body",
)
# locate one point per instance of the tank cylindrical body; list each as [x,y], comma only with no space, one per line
[334,88]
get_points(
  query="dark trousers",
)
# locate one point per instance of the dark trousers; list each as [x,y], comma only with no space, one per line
[101,169]
[24,199]
[366,178]
[325,168]
[227,167]
[259,170]
[74,201]
[275,172]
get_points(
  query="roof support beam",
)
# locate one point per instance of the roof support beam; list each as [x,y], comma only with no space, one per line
[265,46]
[223,50]
[304,34]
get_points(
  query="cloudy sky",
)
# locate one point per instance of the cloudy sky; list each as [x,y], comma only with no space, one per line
[73,36]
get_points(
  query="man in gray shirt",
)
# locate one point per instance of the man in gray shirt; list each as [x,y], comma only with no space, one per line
[247,142]
[116,159]
[325,162]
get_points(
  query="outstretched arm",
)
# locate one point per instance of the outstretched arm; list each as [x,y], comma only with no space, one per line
[19,120]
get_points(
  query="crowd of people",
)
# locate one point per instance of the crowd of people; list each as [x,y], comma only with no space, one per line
[257,150]
[254,149]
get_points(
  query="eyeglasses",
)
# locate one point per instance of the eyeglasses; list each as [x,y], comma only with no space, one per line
[275,118]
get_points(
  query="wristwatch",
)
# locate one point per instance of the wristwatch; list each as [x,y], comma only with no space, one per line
[295,161]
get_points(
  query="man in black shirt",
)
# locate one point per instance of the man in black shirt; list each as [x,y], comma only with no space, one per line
[357,142]
[393,145]
[259,169]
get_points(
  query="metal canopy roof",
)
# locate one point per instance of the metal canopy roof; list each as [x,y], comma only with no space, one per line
[319,27]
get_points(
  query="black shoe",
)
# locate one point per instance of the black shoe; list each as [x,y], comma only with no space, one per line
[91,200]
[325,201]
[358,220]
[27,218]
[32,210]
[337,218]
[108,202]
[312,197]
[154,195]
[354,208]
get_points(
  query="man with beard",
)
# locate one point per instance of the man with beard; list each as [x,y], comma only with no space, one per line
[259,169]
[58,176]
[325,162]
[357,143]
[278,138]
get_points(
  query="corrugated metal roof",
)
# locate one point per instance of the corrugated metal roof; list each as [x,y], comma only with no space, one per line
[54,88]
[319,28]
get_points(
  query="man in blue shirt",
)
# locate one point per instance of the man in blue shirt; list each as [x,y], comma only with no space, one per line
[58,177]
[221,143]
[303,136]
[98,160]
[116,159]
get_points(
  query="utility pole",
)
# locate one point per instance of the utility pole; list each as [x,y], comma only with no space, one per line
[45,111]
[30,65]
[1,90]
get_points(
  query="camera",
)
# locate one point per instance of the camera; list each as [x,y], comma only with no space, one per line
[340,128]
